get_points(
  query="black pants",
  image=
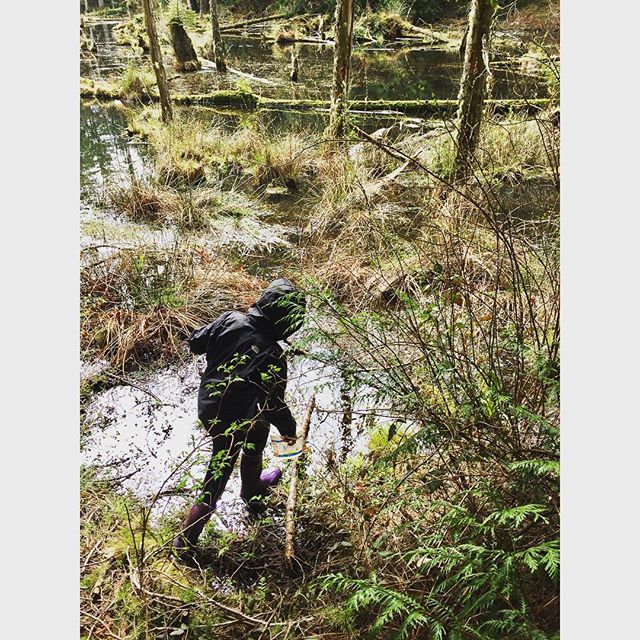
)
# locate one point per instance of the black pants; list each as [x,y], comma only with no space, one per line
[230,435]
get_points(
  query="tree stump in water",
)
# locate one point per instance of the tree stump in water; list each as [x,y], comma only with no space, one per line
[186,58]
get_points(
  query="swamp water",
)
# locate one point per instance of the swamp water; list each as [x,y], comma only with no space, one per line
[394,71]
[146,438]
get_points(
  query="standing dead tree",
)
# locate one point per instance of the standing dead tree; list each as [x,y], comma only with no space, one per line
[473,84]
[156,59]
[341,68]
[219,53]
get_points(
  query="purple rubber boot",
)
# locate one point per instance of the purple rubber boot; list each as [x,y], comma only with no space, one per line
[184,544]
[255,482]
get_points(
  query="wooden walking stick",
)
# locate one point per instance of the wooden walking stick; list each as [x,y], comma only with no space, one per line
[290,523]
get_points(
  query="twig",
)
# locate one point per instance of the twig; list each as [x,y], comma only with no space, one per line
[86,562]
[102,622]
[289,547]
[129,383]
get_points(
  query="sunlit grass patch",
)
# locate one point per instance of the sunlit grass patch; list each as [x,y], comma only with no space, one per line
[140,304]
[137,81]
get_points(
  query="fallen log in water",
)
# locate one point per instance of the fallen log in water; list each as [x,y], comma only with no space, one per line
[441,108]
[294,40]
[246,23]
[247,100]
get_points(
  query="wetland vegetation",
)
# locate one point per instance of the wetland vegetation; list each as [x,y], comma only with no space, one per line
[414,198]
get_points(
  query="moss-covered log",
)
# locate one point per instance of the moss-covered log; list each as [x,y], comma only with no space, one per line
[246,23]
[186,58]
[433,108]
[245,100]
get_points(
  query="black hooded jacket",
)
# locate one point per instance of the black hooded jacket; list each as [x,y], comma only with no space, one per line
[246,366]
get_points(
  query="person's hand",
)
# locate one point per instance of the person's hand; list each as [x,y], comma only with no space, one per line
[290,440]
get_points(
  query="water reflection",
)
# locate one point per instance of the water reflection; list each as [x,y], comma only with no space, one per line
[377,73]
[106,150]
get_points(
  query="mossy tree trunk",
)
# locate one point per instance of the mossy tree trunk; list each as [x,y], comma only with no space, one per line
[186,58]
[341,68]
[156,59]
[473,84]
[219,53]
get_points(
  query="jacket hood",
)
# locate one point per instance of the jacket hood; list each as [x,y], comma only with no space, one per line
[283,306]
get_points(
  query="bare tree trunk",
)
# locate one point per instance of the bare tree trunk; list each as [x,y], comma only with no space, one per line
[204,7]
[341,68]
[195,5]
[294,69]
[156,59]
[321,33]
[473,84]
[219,52]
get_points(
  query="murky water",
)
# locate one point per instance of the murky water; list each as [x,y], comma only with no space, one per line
[106,150]
[147,435]
[389,72]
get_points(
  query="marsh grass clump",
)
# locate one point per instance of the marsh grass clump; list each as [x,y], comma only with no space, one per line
[192,209]
[285,160]
[185,150]
[137,82]
[140,304]
[199,208]
[139,200]
[191,151]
